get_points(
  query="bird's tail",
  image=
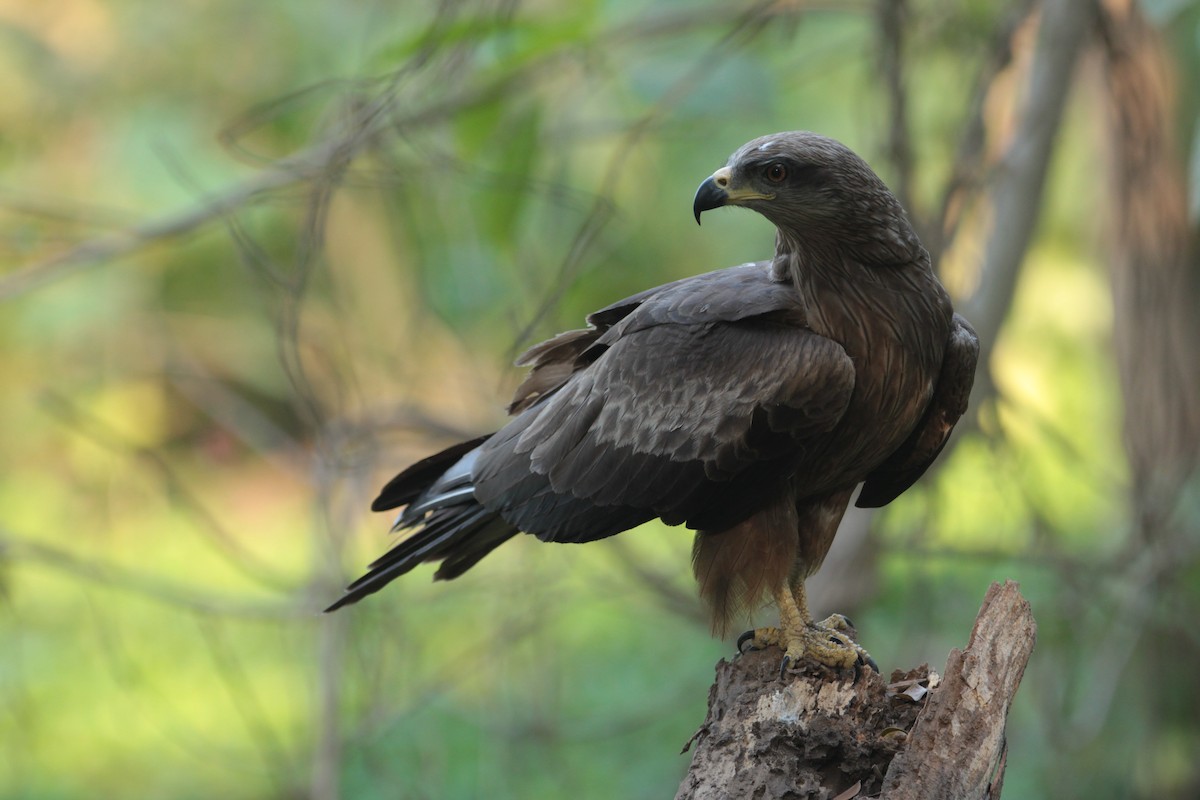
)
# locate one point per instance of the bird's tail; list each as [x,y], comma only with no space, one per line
[449,523]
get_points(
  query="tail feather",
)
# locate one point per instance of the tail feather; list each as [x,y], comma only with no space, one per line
[414,481]
[436,538]
[448,523]
[486,538]
[454,486]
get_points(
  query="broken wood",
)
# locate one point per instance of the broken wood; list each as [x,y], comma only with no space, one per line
[830,736]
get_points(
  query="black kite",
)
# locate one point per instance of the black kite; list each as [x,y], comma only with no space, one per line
[747,403]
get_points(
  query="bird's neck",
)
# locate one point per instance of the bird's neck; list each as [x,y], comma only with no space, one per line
[818,274]
[839,282]
[891,243]
[813,258]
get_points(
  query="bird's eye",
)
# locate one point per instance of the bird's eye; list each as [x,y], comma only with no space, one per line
[775,172]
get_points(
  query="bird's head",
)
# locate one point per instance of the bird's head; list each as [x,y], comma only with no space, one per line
[813,189]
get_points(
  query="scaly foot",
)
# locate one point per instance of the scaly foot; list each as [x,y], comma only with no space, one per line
[827,642]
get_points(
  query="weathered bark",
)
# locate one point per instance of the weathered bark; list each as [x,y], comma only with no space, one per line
[820,735]
[957,749]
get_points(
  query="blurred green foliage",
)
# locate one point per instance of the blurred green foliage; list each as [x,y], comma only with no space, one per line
[194,426]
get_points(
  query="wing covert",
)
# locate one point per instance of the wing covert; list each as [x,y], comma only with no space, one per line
[666,416]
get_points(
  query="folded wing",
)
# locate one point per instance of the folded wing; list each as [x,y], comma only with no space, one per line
[686,403]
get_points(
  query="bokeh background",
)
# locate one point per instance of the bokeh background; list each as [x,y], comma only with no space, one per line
[256,257]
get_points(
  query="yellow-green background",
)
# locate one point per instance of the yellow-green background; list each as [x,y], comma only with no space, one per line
[192,426]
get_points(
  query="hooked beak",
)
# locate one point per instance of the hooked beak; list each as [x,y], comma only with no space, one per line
[716,192]
[713,193]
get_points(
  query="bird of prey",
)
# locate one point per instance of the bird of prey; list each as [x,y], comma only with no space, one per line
[746,403]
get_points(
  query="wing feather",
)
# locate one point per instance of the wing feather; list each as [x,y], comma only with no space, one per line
[679,408]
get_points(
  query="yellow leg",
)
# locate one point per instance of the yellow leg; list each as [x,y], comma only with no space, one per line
[826,642]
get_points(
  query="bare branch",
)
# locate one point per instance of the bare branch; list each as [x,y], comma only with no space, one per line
[1015,194]
[389,108]
[892,19]
[17,547]
[968,171]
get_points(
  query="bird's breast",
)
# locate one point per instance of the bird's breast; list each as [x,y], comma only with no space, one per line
[896,341]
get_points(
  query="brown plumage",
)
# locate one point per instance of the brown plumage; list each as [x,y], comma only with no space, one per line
[746,403]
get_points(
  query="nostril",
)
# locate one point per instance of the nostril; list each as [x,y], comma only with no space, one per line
[722,181]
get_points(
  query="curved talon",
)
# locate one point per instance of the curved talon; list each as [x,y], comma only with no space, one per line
[783,666]
[864,660]
[747,636]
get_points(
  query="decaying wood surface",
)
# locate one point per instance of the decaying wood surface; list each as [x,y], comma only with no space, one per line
[826,736]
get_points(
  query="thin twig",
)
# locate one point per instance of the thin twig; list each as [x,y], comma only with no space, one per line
[14,546]
[746,27]
[245,700]
[97,431]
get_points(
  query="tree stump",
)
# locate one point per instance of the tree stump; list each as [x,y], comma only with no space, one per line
[828,736]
